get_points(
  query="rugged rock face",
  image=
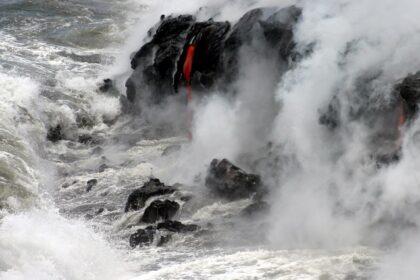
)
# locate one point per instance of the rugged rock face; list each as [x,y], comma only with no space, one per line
[208,40]
[229,181]
[153,187]
[160,210]
[158,65]
[154,64]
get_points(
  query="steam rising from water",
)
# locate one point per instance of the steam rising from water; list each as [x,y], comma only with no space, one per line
[327,192]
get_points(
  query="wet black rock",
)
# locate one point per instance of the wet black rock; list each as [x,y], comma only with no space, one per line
[176,226]
[208,40]
[154,64]
[137,199]
[55,134]
[158,65]
[142,237]
[229,181]
[90,184]
[106,86]
[409,90]
[164,240]
[160,210]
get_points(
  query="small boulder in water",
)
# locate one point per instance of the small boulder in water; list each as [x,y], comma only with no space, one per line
[55,134]
[142,237]
[106,86]
[138,198]
[176,226]
[90,184]
[160,210]
[229,181]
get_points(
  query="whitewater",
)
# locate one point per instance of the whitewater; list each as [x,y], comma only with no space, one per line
[334,214]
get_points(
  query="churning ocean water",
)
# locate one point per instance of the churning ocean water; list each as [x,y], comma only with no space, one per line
[54,55]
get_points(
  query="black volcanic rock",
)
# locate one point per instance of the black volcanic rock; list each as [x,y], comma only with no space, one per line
[409,90]
[90,184]
[176,226]
[154,64]
[142,237]
[208,39]
[229,181]
[158,65]
[55,134]
[138,198]
[160,210]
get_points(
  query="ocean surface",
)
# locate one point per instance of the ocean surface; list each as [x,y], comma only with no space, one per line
[54,54]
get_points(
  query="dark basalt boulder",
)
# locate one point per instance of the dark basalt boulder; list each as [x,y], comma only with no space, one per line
[90,184]
[229,181]
[160,210]
[142,237]
[154,64]
[55,134]
[176,226]
[107,87]
[137,199]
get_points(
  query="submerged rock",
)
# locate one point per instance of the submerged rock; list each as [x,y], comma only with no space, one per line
[176,226]
[160,210]
[229,181]
[142,237]
[137,199]
[55,134]
[90,184]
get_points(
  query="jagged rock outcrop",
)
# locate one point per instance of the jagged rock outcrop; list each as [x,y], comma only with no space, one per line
[158,65]
[142,237]
[154,64]
[230,182]
[160,210]
[137,199]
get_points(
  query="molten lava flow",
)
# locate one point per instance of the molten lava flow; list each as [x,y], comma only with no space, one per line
[187,71]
